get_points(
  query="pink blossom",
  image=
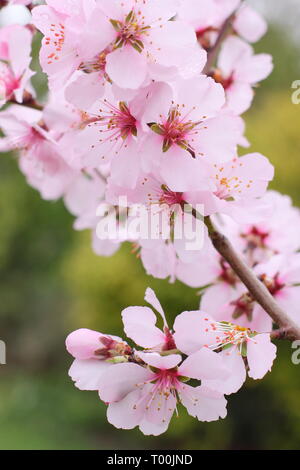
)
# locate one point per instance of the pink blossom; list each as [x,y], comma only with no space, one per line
[274,231]
[193,330]
[71,37]
[92,351]
[145,39]
[40,158]
[183,131]
[249,24]
[206,16]
[134,35]
[238,183]
[140,325]
[15,73]
[239,70]
[281,275]
[147,396]
[82,199]
[112,136]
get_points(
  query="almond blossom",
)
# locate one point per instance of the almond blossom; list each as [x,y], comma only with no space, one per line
[15,73]
[134,34]
[91,351]
[40,159]
[239,70]
[193,330]
[147,396]
[139,136]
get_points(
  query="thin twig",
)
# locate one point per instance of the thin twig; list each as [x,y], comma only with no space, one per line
[213,52]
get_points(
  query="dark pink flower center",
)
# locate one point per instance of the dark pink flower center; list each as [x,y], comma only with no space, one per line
[118,122]
[227,275]
[130,31]
[176,130]
[274,284]
[97,64]
[169,197]
[256,238]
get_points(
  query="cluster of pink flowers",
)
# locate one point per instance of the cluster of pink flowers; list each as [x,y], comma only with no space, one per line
[143,387]
[145,106]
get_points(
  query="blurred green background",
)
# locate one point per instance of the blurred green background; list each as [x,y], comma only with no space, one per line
[51,283]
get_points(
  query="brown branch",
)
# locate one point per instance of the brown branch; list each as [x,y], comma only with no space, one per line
[256,288]
[28,102]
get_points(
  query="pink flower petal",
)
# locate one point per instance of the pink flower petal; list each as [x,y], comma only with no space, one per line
[192,331]
[261,353]
[160,362]
[126,67]
[204,364]
[120,380]
[87,373]
[139,325]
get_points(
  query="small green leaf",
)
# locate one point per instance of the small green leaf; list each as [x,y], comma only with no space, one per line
[244,349]
[167,145]
[129,17]
[116,25]
[157,129]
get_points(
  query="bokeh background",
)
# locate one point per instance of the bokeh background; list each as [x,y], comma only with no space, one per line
[51,283]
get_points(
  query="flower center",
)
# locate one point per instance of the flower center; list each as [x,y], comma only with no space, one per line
[227,275]
[243,306]
[219,78]
[97,64]
[131,31]
[119,122]
[273,284]
[8,83]
[229,334]
[169,197]
[231,186]
[176,129]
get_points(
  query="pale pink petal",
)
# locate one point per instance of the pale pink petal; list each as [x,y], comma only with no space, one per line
[160,407]
[216,297]
[125,166]
[204,365]
[255,68]
[170,42]
[126,67]
[87,373]
[210,97]
[19,56]
[239,97]
[192,331]
[249,24]
[261,353]
[160,362]
[182,172]
[120,380]
[85,90]
[218,138]
[83,343]
[152,299]
[125,414]
[237,373]
[139,325]
[202,403]
[153,429]
[232,52]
